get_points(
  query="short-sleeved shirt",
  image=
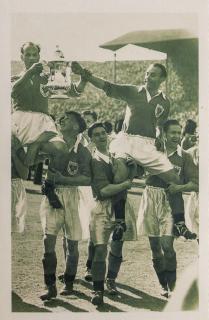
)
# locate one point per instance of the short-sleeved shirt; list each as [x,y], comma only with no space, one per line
[77,162]
[102,173]
[102,176]
[191,168]
[143,113]
[33,95]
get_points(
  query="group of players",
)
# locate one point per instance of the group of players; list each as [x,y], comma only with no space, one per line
[82,156]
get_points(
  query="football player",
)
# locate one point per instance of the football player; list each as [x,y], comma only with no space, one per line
[75,173]
[146,112]
[155,218]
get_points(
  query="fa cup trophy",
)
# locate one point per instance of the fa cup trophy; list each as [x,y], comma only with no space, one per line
[59,81]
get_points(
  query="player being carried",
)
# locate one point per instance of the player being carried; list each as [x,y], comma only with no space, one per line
[31,122]
[147,110]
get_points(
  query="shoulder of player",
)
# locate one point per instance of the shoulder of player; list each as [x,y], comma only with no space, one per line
[84,151]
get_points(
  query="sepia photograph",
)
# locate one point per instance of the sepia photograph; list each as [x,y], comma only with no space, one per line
[107,119]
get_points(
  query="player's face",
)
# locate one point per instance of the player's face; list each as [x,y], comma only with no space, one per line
[173,135]
[153,78]
[68,123]
[89,120]
[30,56]
[99,137]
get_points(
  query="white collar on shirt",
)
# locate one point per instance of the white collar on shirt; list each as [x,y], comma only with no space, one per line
[148,94]
[102,156]
[178,151]
[75,147]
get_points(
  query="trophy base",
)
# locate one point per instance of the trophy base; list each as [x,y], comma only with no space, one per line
[59,96]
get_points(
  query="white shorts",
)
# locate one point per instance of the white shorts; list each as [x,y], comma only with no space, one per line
[68,218]
[87,203]
[154,217]
[102,222]
[18,205]
[192,211]
[28,125]
[143,150]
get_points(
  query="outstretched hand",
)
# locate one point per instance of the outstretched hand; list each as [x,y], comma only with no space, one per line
[76,68]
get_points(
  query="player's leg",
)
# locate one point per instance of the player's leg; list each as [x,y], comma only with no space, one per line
[119,206]
[34,148]
[72,256]
[114,263]
[159,263]
[98,273]
[169,260]
[52,221]
[90,250]
[177,206]
[101,228]
[64,246]
[49,266]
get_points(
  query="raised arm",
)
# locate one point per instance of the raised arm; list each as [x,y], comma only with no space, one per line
[117,91]
[22,81]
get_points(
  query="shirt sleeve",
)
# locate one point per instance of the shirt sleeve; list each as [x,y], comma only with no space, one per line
[119,91]
[84,162]
[190,171]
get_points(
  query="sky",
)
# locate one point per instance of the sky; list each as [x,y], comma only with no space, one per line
[80,34]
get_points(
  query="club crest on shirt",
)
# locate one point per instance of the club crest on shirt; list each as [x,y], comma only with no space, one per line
[44,91]
[177,169]
[159,110]
[72,168]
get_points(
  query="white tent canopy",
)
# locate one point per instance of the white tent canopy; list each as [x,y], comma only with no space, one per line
[132,52]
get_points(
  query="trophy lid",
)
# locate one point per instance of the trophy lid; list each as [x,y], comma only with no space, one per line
[58,56]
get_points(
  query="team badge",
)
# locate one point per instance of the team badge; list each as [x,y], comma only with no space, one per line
[44,91]
[177,170]
[159,110]
[72,168]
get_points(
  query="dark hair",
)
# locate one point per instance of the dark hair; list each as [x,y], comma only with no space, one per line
[190,127]
[94,126]
[90,113]
[78,118]
[108,126]
[29,44]
[162,68]
[171,122]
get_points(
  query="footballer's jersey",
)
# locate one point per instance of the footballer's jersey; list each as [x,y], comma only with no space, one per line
[31,96]
[143,113]
[102,173]
[191,168]
[178,160]
[77,162]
